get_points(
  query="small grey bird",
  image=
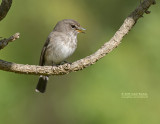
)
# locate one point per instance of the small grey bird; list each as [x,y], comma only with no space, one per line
[60,44]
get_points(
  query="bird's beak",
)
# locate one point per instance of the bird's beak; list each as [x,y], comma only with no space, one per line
[81,30]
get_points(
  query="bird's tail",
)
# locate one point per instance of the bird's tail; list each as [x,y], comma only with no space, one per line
[42,83]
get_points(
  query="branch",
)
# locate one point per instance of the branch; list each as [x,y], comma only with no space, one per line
[129,22]
[4,8]
[5,41]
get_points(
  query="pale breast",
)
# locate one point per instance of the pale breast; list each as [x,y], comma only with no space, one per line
[60,48]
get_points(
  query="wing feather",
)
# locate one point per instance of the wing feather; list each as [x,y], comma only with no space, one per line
[42,61]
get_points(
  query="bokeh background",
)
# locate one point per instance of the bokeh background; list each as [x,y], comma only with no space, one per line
[93,95]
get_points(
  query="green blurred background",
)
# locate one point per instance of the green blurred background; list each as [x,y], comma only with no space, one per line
[91,96]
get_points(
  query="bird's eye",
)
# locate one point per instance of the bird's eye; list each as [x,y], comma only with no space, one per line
[73,26]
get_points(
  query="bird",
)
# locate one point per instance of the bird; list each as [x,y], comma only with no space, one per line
[60,44]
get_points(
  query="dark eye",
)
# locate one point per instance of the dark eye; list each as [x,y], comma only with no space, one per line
[73,26]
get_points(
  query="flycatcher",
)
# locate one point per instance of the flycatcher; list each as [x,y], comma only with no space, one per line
[60,44]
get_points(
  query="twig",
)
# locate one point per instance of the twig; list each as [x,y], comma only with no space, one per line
[4,42]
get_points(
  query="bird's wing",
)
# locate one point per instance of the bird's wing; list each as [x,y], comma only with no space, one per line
[42,61]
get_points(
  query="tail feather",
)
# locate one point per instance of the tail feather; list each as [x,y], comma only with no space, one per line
[42,83]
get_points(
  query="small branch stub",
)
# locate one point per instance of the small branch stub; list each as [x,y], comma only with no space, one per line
[4,42]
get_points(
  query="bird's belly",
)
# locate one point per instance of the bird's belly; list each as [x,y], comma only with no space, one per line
[59,54]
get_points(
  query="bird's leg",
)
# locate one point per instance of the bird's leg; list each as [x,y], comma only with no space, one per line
[53,65]
[64,62]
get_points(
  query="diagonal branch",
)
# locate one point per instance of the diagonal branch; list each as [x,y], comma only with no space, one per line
[128,24]
[4,42]
[4,8]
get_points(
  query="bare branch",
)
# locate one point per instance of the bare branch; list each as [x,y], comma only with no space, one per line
[129,22]
[4,8]
[4,42]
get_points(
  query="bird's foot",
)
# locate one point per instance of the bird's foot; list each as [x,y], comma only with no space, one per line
[65,62]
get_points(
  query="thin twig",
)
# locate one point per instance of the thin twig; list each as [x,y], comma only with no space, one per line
[4,42]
